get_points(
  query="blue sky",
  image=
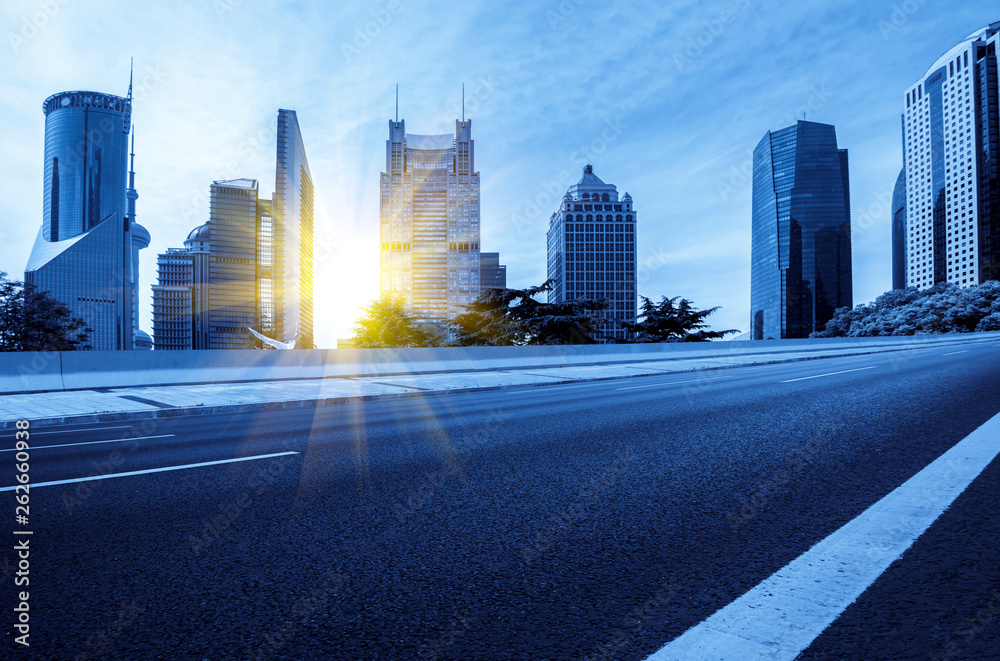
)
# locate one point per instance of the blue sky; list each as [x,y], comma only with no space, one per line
[665,99]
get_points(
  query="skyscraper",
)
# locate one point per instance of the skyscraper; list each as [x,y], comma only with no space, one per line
[429,222]
[591,250]
[899,232]
[492,274]
[951,155]
[86,250]
[801,236]
[249,266]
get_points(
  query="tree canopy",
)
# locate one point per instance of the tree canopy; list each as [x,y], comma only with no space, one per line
[385,324]
[669,322]
[943,308]
[512,317]
[31,320]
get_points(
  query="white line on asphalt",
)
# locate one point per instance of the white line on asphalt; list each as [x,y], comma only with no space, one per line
[70,431]
[35,485]
[953,353]
[783,615]
[69,445]
[806,378]
[521,391]
[670,383]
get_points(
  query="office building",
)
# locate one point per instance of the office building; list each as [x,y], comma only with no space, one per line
[492,274]
[591,250]
[429,222]
[86,252]
[951,154]
[899,232]
[801,234]
[249,267]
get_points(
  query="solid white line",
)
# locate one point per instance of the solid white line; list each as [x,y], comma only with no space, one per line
[69,445]
[35,485]
[954,353]
[670,383]
[70,431]
[818,376]
[783,615]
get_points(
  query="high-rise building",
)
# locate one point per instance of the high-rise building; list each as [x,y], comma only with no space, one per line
[951,154]
[492,274]
[801,236]
[899,232]
[249,267]
[86,252]
[591,250]
[292,249]
[429,222]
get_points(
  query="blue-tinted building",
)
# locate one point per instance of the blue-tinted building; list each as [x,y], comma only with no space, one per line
[801,242]
[591,250]
[86,252]
[899,232]
[492,274]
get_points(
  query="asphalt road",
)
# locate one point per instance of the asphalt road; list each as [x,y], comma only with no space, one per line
[597,520]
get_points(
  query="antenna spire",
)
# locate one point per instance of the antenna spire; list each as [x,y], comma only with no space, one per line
[463,103]
[397,103]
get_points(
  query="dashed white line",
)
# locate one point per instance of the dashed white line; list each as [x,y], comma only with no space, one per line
[670,383]
[955,353]
[783,615]
[77,431]
[35,485]
[819,376]
[69,445]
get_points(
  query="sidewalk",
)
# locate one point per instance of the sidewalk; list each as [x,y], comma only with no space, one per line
[101,405]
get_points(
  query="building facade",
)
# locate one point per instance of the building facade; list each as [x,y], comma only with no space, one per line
[492,274]
[429,222]
[249,267]
[801,234]
[86,252]
[591,250]
[899,232]
[951,155]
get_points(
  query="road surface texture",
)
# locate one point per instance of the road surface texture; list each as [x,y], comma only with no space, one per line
[597,520]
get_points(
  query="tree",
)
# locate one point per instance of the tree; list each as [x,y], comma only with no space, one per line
[512,317]
[385,324]
[31,320]
[669,322]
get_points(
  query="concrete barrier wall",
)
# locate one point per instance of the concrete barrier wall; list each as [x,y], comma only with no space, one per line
[79,370]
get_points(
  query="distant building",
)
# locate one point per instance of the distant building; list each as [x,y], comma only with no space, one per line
[801,236]
[429,222]
[899,232]
[249,267]
[591,250]
[492,274]
[951,152]
[86,252]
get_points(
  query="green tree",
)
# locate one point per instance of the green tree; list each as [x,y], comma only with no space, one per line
[512,317]
[385,324]
[31,320]
[668,321]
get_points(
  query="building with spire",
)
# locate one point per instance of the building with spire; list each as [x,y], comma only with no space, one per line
[951,157]
[429,222]
[591,250]
[86,252]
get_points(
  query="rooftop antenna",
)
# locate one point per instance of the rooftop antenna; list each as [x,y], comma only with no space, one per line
[128,102]
[463,103]
[397,103]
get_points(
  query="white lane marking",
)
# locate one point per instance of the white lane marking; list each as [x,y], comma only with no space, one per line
[69,445]
[955,353]
[35,485]
[670,383]
[78,431]
[522,391]
[819,376]
[783,615]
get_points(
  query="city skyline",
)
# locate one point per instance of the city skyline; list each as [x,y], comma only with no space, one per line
[203,114]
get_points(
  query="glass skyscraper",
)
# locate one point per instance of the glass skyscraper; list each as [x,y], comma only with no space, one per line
[801,235]
[86,252]
[899,232]
[492,274]
[591,250]
[951,155]
[429,222]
